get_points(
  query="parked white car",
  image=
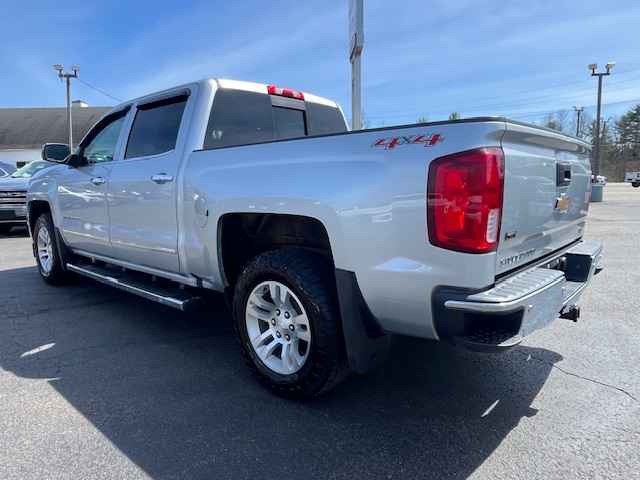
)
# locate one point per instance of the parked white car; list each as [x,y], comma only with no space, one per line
[633,178]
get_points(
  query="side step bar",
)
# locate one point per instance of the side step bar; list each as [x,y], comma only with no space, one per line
[170,296]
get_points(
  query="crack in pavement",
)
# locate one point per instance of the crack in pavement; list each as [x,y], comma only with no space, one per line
[597,382]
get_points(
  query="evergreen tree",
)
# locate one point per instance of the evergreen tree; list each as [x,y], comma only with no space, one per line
[628,142]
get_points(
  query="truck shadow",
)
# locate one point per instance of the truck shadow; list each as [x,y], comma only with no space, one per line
[17,232]
[171,391]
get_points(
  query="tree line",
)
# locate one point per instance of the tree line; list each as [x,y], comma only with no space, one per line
[619,139]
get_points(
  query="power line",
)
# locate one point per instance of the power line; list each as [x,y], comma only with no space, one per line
[98,90]
[512,103]
[459,104]
[537,114]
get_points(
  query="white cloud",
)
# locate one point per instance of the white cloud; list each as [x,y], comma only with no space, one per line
[420,58]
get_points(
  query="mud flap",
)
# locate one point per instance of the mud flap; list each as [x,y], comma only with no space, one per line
[366,342]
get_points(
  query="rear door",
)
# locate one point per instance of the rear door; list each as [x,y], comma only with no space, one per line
[143,193]
[547,181]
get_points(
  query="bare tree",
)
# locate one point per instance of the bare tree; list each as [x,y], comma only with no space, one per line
[563,118]
[549,121]
[559,121]
[422,120]
[454,116]
[584,129]
[365,122]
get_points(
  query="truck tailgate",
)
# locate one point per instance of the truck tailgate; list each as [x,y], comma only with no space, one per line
[546,194]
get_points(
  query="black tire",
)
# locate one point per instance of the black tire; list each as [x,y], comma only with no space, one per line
[635,184]
[48,252]
[304,352]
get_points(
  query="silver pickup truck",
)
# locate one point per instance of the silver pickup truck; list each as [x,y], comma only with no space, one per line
[325,241]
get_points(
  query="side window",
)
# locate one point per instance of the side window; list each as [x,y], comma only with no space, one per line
[239,118]
[155,128]
[102,144]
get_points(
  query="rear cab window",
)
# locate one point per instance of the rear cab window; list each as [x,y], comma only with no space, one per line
[241,117]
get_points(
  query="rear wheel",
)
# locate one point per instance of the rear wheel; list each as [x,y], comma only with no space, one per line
[635,184]
[288,324]
[47,253]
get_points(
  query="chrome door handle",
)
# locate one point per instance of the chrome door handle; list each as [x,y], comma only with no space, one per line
[162,178]
[98,180]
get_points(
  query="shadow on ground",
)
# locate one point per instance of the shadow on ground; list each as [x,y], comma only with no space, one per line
[171,391]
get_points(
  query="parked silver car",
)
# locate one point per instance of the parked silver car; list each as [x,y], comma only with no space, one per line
[6,169]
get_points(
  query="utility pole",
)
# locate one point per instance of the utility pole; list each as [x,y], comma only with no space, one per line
[356,44]
[578,111]
[592,67]
[604,133]
[68,76]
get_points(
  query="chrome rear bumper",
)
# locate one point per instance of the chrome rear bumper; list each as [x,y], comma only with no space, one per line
[497,319]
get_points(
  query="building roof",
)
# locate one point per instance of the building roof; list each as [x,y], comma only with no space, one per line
[30,128]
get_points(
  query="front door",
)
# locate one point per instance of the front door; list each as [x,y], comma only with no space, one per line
[82,190]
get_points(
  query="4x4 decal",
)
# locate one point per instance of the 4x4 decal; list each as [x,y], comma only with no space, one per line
[428,140]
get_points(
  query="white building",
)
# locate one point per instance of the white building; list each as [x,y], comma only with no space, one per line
[23,131]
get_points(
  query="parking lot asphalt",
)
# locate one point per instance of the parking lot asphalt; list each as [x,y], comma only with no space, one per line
[96,383]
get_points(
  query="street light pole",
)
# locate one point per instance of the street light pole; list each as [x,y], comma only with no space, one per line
[592,67]
[68,76]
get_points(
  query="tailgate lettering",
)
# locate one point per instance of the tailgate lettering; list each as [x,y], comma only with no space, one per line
[513,259]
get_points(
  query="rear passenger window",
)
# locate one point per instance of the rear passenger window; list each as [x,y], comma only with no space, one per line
[155,128]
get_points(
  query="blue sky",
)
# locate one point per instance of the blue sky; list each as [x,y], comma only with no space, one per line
[422,58]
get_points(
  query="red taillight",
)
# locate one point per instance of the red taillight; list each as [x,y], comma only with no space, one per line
[284,92]
[464,205]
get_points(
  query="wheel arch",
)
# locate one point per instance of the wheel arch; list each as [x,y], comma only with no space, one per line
[35,209]
[242,236]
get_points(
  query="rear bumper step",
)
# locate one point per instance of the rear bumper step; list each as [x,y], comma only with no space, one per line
[497,319]
[166,295]
[489,341]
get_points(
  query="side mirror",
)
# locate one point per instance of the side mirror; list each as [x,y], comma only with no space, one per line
[55,152]
[75,160]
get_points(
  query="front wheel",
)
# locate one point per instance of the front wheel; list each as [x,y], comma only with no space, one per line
[45,248]
[635,184]
[288,324]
